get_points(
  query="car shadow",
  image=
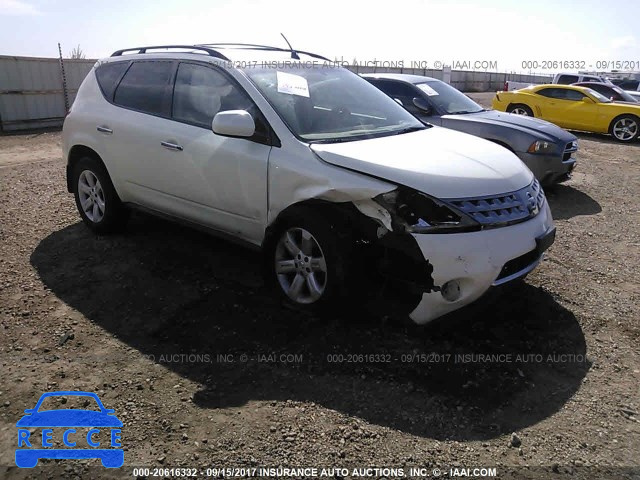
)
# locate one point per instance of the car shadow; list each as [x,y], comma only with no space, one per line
[567,202]
[163,289]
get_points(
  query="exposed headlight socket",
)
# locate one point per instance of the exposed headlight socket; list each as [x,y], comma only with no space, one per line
[416,212]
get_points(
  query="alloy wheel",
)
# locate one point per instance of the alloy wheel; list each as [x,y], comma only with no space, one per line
[625,129]
[300,266]
[91,196]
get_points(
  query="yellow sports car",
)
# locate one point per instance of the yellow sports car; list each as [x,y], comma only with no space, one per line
[574,108]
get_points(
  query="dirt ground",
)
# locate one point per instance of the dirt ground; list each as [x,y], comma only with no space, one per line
[174,330]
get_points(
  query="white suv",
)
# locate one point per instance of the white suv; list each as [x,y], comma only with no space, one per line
[347,194]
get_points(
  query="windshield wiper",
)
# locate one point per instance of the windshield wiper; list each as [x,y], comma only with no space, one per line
[411,129]
[462,112]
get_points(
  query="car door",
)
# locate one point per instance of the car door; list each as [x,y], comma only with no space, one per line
[566,108]
[215,180]
[577,110]
[131,129]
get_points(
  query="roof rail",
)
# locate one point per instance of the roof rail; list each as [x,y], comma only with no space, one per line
[204,48]
[252,46]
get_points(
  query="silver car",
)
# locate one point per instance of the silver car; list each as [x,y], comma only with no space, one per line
[548,150]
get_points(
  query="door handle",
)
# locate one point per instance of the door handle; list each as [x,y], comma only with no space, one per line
[171,146]
[106,130]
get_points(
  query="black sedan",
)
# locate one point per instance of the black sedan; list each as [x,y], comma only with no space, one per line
[545,148]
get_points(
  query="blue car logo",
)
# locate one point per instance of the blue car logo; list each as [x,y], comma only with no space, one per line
[69,419]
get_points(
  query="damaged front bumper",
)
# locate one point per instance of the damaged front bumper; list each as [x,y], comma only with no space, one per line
[466,265]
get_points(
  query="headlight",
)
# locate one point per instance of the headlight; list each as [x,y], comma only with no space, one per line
[416,212]
[542,146]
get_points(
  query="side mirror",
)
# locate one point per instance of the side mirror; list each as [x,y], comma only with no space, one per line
[234,123]
[587,100]
[422,105]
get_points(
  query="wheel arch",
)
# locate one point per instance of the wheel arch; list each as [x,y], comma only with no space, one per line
[75,154]
[391,254]
[516,104]
[343,212]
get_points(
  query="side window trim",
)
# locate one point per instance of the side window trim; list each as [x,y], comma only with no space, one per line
[272,139]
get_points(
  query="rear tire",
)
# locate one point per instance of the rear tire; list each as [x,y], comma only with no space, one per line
[625,128]
[520,109]
[308,261]
[96,198]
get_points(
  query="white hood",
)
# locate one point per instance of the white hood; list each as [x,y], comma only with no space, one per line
[437,161]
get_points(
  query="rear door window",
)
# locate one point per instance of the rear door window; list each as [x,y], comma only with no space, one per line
[145,87]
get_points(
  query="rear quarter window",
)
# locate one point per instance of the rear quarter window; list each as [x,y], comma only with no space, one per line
[552,92]
[108,76]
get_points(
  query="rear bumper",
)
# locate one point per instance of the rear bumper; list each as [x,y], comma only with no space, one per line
[549,169]
[477,261]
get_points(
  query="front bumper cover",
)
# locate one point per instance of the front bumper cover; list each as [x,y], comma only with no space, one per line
[476,261]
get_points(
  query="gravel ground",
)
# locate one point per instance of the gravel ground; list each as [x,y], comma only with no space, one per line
[174,330]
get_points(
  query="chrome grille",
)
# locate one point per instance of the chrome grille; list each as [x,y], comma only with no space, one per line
[503,209]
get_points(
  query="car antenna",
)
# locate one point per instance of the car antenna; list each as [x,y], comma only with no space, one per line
[294,54]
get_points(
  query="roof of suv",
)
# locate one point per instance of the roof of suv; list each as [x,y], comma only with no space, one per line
[232,52]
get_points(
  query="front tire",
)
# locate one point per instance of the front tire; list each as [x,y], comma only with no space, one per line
[309,260]
[520,109]
[96,198]
[625,128]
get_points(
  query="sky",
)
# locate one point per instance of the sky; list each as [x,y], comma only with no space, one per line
[496,35]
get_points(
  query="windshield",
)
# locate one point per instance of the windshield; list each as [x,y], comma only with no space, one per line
[625,96]
[330,104]
[599,96]
[448,99]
